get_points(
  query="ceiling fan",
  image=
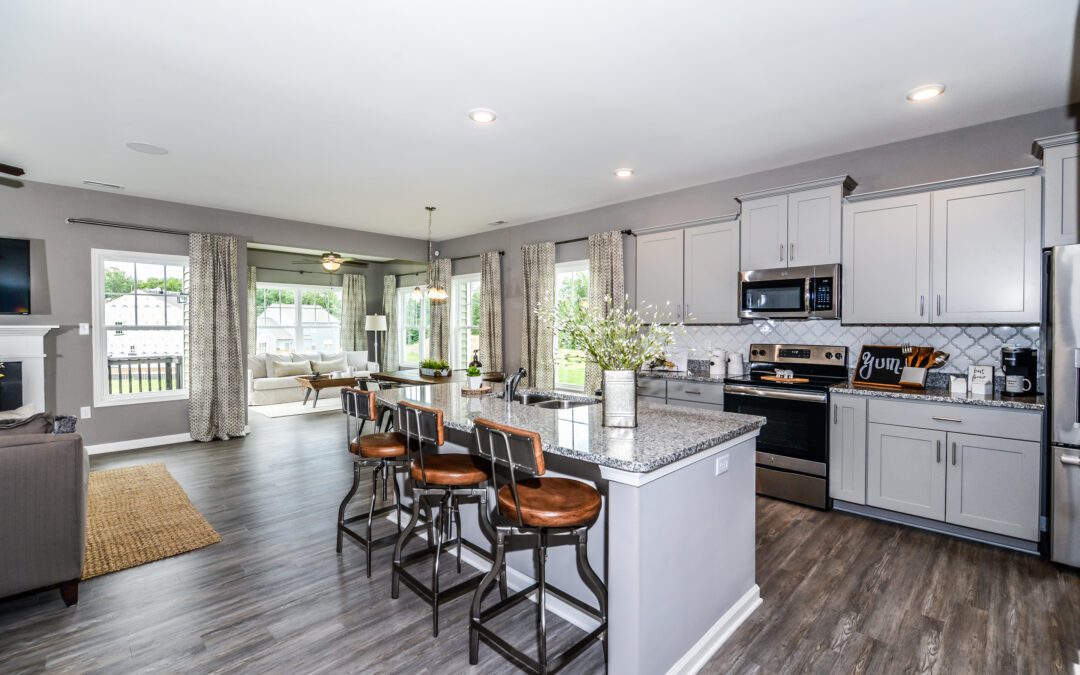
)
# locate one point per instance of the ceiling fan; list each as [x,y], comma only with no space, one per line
[11,171]
[332,262]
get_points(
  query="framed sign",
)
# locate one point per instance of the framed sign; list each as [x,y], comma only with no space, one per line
[880,366]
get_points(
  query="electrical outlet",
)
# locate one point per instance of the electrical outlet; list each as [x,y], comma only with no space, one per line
[84,329]
[721,464]
[84,412]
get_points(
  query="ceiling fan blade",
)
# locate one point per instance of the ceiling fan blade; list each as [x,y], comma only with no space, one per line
[12,170]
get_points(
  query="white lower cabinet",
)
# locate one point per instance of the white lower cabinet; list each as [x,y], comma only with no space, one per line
[847,448]
[905,470]
[993,485]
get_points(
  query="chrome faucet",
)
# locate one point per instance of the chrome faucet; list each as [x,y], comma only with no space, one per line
[512,384]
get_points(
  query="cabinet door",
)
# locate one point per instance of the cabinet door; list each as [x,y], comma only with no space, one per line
[987,260]
[814,227]
[905,470]
[764,233]
[711,273]
[847,448]
[993,485]
[886,262]
[1061,225]
[660,272]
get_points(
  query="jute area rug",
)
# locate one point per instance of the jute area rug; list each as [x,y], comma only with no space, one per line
[139,514]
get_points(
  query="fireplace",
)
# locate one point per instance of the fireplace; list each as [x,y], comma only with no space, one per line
[11,386]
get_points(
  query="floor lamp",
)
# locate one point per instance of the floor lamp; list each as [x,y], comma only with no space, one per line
[375,323]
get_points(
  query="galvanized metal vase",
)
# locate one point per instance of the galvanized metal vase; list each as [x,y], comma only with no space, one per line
[620,398]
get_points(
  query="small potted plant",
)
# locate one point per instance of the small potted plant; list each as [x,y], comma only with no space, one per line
[433,368]
[476,381]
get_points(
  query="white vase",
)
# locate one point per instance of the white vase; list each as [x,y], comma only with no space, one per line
[620,398]
[476,382]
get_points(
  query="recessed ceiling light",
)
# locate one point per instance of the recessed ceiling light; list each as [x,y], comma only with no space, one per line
[482,115]
[108,186]
[624,172]
[147,148]
[926,92]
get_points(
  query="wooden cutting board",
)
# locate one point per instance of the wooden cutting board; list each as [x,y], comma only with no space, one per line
[787,380]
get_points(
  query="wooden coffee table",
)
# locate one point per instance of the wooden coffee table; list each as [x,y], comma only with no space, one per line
[313,384]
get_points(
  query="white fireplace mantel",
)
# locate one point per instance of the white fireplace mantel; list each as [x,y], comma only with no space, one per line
[26,344]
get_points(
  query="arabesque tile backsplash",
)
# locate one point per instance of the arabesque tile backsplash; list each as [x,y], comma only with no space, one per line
[966,345]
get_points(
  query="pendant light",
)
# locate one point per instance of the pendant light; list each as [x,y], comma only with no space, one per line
[436,293]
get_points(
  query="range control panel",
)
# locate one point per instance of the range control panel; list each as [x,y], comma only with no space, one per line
[825,355]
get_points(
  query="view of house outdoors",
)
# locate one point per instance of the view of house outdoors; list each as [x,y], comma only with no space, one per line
[465,318]
[413,315]
[145,315]
[283,325]
[571,284]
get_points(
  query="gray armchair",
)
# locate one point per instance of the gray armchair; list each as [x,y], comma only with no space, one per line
[43,481]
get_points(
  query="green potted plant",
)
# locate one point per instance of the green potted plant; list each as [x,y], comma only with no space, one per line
[476,381]
[433,368]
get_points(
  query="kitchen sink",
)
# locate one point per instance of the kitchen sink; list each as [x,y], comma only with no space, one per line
[560,404]
[531,398]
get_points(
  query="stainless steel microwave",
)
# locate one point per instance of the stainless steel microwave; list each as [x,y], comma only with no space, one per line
[790,293]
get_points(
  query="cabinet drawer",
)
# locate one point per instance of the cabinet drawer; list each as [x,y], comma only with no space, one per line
[958,418]
[652,386]
[696,404]
[701,392]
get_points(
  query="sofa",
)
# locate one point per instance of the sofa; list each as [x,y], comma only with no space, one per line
[43,484]
[272,377]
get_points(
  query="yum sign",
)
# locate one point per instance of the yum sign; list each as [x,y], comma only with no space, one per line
[880,365]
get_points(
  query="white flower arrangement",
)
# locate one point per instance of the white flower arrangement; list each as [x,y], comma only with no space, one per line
[620,338]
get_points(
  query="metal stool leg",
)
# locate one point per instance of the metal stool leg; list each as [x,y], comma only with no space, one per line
[592,580]
[397,496]
[457,520]
[474,613]
[541,600]
[395,579]
[443,515]
[345,504]
[371,515]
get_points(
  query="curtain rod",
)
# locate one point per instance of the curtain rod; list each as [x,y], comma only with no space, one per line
[577,239]
[126,226]
[475,255]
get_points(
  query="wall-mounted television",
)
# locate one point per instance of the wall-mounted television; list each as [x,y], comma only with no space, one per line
[14,276]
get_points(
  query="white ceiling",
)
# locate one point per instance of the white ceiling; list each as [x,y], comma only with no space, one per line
[354,113]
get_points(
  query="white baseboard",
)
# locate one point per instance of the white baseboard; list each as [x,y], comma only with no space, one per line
[137,444]
[693,660]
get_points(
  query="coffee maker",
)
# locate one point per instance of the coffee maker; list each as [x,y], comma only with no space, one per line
[1020,366]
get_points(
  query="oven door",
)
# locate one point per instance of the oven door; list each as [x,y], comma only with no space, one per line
[775,294]
[796,436]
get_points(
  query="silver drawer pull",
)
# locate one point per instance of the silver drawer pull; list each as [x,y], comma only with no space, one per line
[1070,460]
[947,419]
[691,391]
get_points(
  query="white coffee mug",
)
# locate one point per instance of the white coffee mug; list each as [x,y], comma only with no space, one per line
[1017,384]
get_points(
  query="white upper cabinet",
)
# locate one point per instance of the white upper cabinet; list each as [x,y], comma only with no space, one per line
[660,271]
[1061,160]
[793,226]
[986,252]
[886,261]
[711,273]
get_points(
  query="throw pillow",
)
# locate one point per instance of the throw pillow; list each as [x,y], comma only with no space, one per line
[328,366]
[275,360]
[292,369]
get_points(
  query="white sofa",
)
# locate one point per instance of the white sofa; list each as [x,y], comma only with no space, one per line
[265,387]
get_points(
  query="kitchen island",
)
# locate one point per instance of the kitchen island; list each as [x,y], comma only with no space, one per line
[674,541]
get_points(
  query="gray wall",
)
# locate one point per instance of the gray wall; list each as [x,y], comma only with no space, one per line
[61,280]
[995,146]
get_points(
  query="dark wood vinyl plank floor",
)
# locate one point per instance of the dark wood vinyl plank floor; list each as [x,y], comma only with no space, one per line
[841,593]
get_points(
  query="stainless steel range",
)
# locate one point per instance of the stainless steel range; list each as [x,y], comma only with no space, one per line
[789,386]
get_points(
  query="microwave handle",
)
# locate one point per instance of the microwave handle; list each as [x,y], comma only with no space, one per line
[781,252]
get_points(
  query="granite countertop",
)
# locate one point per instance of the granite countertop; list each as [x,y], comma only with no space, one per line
[679,375]
[664,435]
[943,395]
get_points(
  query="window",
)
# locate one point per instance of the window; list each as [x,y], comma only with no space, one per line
[140,316]
[295,318]
[412,328]
[571,284]
[464,319]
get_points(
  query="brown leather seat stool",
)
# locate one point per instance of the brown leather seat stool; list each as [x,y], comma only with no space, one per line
[384,453]
[550,511]
[446,478]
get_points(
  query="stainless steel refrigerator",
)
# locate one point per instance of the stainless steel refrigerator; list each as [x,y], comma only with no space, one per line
[1062,340]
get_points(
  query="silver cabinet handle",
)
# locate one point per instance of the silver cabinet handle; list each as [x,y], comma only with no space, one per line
[1070,460]
[834,413]
[781,253]
[954,453]
[922,305]
[948,419]
[939,451]
[939,304]
[791,254]
[692,391]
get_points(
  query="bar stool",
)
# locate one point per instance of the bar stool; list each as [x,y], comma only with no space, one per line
[384,453]
[551,511]
[448,477]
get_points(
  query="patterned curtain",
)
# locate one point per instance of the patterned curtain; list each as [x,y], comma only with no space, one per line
[353,313]
[537,332]
[252,312]
[216,388]
[606,286]
[390,346]
[439,275]
[491,349]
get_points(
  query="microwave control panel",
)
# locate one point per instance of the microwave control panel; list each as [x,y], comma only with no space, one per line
[821,294]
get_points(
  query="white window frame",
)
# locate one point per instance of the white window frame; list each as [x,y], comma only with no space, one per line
[456,360]
[102,398]
[298,326]
[568,267]
[403,294]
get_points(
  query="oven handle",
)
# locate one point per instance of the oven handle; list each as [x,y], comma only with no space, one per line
[814,397]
